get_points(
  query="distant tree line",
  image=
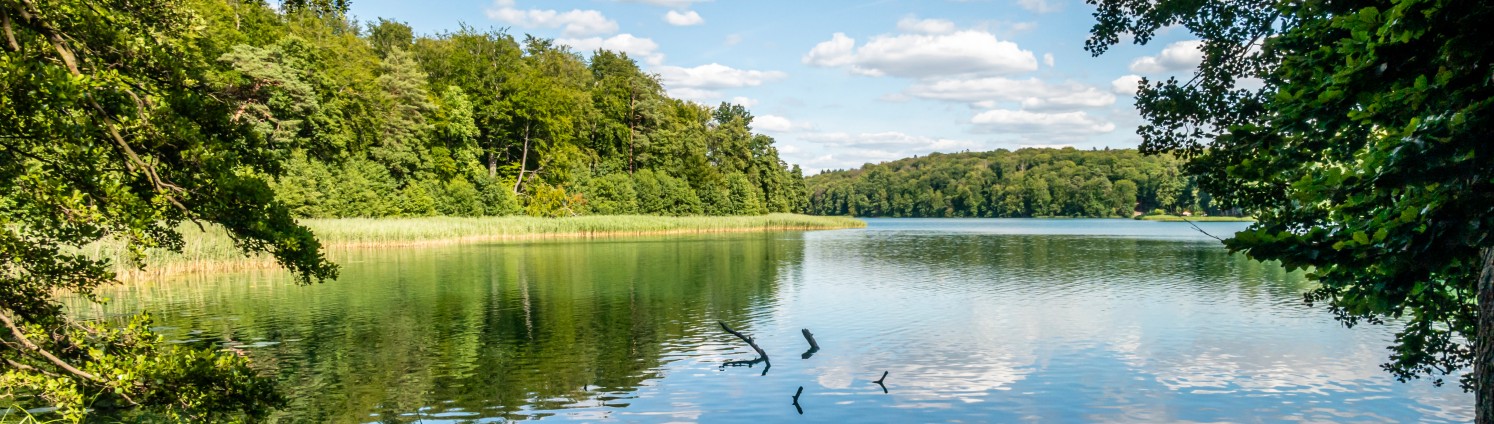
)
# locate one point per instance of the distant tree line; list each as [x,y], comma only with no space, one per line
[1022,183]
[476,123]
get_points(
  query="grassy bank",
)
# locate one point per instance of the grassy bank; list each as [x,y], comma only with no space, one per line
[213,250]
[1175,218]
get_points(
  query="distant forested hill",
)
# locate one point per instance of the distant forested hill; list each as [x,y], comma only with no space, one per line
[1002,183]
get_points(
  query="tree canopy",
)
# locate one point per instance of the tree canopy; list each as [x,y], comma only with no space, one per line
[1358,134]
[117,121]
[481,123]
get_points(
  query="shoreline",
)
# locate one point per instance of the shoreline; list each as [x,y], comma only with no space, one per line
[213,251]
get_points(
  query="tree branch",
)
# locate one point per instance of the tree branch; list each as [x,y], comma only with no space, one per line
[21,337]
[10,36]
[813,346]
[749,341]
[70,60]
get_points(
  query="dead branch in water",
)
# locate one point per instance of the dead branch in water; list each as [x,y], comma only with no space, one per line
[813,346]
[745,338]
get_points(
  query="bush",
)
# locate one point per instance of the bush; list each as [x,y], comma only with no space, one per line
[613,194]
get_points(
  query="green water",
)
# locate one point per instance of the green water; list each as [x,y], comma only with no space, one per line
[973,320]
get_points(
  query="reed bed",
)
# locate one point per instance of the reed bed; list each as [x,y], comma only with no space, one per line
[212,250]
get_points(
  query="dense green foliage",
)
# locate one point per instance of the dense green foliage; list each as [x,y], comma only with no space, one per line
[1364,152]
[479,123]
[117,122]
[1001,183]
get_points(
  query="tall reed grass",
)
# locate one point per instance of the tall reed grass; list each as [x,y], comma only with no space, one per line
[213,250]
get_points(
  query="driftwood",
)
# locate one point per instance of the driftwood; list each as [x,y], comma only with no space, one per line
[745,338]
[813,346]
[880,380]
[761,355]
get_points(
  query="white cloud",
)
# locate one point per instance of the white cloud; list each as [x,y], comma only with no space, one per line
[677,4]
[1021,121]
[817,152]
[897,144]
[837,51]
[574,23]
[683,19]
[777,124]
[1048,59]
[714,76]
[642,48]
[1039,6]
[1125,85]
[925,26]
[744,101]
[1179,56]
[969,52]
[1031,93]
[695,94]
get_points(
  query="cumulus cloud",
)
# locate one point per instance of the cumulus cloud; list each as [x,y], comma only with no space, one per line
[1179,56]
[838,51]
[896,143]
[715,76]
[1031,93]
[1125,85]
[777,124]
[688,18]
[703,83]
[1021,121]
[968,52]
[573,23]
[1039,6]
[677,4]
[642,48]
[1048,59]
[744,101]
[925,26]
[695,94]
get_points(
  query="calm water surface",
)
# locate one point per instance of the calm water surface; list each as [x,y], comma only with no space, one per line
[974,320]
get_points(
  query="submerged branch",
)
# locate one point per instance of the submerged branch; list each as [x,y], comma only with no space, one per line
[760,353]
[813,346]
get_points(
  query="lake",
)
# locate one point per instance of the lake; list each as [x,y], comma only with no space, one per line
[983,320]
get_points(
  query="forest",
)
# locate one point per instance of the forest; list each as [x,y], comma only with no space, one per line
[1024,183]
[478,122]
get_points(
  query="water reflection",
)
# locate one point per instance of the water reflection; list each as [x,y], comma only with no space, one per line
[974,320]
[495,331]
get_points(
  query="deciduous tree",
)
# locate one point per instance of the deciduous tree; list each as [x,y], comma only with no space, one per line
[1358,134]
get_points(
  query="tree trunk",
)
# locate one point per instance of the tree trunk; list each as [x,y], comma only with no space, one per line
[492,164]
[523,160]
[1483,361]
[632,95]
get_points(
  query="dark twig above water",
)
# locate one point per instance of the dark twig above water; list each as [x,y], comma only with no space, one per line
[880,380]
[761,355]
[745,338]
[813,346]
[1201,230]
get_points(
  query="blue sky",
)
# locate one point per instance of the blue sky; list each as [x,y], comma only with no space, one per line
[843,83]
